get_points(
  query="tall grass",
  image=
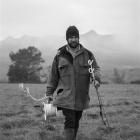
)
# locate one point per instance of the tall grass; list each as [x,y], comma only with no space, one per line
[21,120]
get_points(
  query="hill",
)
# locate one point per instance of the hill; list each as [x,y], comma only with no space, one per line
[109,52]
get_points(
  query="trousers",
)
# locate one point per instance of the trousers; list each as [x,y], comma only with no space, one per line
[72,118]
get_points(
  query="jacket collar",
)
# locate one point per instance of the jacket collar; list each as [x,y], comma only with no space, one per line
[66,54]
[79,51]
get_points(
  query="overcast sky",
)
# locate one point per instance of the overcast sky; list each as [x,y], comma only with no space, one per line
[44,17]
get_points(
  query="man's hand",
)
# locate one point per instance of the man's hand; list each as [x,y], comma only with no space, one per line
[96,84]
[49,99]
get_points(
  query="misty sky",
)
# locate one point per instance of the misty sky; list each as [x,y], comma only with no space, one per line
[45,17]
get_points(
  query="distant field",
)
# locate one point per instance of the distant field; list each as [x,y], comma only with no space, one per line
[20,120]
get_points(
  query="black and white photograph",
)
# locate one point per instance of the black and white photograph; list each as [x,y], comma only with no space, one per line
[69,70]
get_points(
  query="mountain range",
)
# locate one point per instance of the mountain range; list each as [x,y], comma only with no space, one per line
[108,51]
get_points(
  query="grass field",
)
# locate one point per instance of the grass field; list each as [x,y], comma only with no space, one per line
[20,120]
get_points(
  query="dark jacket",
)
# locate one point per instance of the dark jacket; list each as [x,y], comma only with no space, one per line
[70,78]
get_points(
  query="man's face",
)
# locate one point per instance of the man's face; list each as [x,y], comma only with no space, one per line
[73,41]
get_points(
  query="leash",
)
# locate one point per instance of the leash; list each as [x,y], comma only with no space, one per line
[102,110]
[26,90]
[48,108]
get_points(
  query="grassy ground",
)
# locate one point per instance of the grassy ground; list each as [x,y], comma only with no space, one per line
[20,120]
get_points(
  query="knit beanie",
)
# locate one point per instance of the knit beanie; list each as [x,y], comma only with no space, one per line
[72,31]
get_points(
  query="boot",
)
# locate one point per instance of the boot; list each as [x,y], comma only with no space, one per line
[69,134]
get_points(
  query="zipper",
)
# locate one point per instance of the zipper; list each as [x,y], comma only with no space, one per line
[74,82]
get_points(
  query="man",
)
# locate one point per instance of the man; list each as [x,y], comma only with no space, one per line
[70,78]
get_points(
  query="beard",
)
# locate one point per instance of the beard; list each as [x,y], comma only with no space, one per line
[73,45]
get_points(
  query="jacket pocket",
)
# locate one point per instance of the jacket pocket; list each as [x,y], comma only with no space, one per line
[84,69]
[64,95]
[63,69]
[59,91]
